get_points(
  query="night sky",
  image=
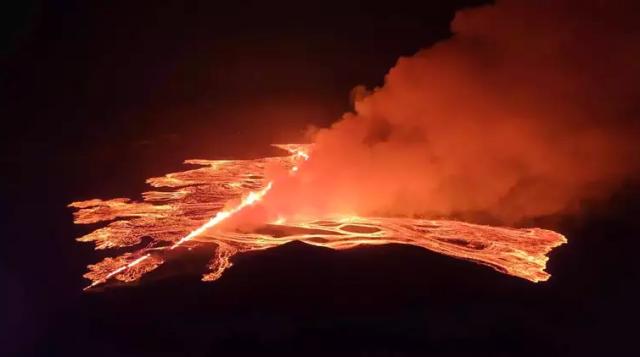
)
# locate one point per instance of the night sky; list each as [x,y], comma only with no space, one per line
[98,96]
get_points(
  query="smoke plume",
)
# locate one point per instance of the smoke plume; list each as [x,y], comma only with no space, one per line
[527,110]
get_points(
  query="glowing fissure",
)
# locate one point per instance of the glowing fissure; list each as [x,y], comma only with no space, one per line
[188,214]
[222,215]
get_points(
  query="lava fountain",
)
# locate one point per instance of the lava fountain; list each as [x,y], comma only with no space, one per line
[192,205]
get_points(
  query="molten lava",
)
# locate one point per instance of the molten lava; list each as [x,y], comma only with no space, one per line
[197,201]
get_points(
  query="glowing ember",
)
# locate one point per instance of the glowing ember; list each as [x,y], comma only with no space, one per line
[199,200]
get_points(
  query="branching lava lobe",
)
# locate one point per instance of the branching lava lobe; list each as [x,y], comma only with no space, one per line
[198,200]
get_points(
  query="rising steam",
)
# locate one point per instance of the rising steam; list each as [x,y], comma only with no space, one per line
[527,110]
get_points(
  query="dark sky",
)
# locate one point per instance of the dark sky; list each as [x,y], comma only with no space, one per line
[254,70]
[98,96]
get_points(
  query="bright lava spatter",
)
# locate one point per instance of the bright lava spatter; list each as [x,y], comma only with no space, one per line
[197,200]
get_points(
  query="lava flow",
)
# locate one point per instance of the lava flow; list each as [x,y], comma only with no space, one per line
[196,201]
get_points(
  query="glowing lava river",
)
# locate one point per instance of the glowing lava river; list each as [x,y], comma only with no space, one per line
[194,202]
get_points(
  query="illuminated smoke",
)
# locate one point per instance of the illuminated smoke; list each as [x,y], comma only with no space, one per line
[526,111]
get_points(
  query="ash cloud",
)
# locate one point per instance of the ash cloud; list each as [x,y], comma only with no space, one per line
[527,110]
